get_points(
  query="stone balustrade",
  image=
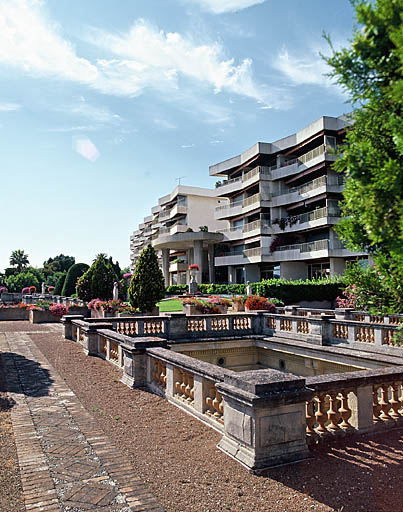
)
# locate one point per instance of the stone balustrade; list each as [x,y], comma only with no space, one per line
[266,417]
[351,402]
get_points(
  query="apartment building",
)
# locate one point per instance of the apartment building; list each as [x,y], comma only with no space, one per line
[183,229]
[281,207]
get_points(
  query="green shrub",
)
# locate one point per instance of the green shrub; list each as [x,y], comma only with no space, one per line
[59,284]
[23,279]
[147,284]
[73,274]
[97,281]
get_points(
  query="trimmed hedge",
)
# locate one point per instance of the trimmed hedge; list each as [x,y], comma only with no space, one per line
[59,284]
[70,283]
[289,292]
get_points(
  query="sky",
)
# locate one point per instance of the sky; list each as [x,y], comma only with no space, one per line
[104,104]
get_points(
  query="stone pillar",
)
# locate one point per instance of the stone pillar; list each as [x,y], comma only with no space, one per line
[198,258]
[231,274]
[260,428]
[211,270]
[361,404]
[165,265]
[337,266]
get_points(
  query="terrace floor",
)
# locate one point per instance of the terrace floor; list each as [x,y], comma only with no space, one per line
[74,438]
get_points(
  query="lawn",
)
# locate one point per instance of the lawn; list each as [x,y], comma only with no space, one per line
[170,305]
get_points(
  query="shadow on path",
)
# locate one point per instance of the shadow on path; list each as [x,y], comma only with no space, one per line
[351,474]
[21,375]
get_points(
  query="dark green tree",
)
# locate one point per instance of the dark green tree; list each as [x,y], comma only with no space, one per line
[97,281]
[59,283]
[19,259]
[370,70]
[73,274]
[147,284]
[19,281]
[60,263]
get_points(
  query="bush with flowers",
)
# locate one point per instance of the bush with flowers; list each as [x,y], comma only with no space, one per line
[20,305]
[127,309]
[32,289]
[3,289]
[50,289]
[256,303]
[25,290]
[58,310]
[96,304]
[349,299]
[111,306]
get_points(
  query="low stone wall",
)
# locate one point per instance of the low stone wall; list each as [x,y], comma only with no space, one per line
[10,314]
[40,317]
[267,417]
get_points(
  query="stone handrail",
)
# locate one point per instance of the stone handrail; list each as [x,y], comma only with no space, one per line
[361,401]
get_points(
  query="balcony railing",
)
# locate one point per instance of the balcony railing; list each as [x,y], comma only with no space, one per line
[228,206]
[257,224]
[251,200]
[319,213]
[260,170]
[250,253]
[317,245]
[229,182]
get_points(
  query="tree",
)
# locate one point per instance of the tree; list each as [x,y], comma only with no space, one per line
[370,70]
[74,273]
[147,284]
[97,281]
[19,281]
[60,263]
[59,282]
[19,259]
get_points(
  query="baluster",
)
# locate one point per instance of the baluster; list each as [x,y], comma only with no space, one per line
[394,401]
[310,417]
[375,405]
[344,410]
[321,416]
[333,414]
[384,403]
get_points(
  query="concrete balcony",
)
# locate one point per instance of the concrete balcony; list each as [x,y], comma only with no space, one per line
[256,228]
[229,186]
[296,165]
[259,173]
[304,251]
[228,210]
[178,267]
[316,218]
[261,199]
[178,209]
[230,259]
[164,215]
[231,233]
[178,228]
[311,189]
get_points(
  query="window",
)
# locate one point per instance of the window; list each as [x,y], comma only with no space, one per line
[318,270]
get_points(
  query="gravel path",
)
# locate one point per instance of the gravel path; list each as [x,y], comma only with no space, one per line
[176,455]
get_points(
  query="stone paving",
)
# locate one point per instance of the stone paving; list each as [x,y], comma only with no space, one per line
[66,462]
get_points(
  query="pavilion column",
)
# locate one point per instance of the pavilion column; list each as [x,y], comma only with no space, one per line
[211,270]
[165,265]
[198,258]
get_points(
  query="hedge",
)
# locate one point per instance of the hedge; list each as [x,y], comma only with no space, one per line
[74,272]
[289,292]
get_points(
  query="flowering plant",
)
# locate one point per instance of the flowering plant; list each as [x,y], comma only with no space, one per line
[350,297]
[96,304]
[194,266]
[25,290]
[20,305]
[127,276]
[218,301]
[58,310]
[32,289]
[255,302]
[126,308]
[191,301]
[238,299]
[34,307]
[111,306]
[50,289]
[3,289]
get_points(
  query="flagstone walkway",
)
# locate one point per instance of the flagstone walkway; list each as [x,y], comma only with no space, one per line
[66,462]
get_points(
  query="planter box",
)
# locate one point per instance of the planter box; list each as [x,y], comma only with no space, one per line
[100,313]
[79,310]
[237,307]
[10,314]
[189,309]
[40,317]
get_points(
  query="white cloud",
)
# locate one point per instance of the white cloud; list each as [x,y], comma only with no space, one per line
[186,146]
[221,6]
[163,123]
[9,107]
[308,69]
[86,148]
[215,142]
[79,128]
[30,41]
[144,58]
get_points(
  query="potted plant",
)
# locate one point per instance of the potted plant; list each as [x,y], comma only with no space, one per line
[220,304]
[192,306]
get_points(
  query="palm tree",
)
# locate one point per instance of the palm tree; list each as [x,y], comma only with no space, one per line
[19,259]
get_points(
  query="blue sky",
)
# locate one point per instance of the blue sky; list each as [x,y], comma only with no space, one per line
[103,104]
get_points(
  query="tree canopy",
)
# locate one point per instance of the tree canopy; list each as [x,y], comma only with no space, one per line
[19,259]
[370,70]
[60,263]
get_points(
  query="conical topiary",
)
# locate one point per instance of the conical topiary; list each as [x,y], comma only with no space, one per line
[147,285]
[70,283]
[97,282]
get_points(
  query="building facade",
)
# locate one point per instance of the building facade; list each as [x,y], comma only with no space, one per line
[281,207]
[183,229]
